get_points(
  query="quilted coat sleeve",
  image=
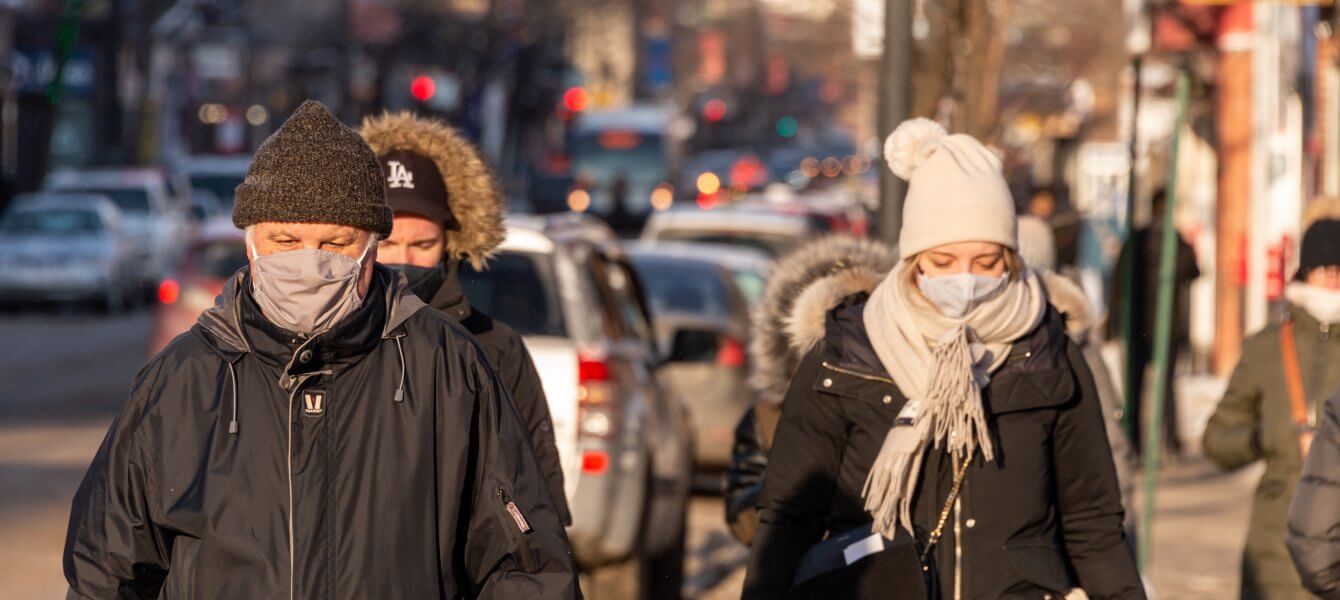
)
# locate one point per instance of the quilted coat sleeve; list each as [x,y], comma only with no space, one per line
[113,549]
[1314,517]
[515,545]
[1089,498]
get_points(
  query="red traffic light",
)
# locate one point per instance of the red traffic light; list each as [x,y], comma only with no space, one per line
[422,88]
[576,99]
[714,110]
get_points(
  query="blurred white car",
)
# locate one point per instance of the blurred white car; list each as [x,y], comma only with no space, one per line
[66,247]
[149,214]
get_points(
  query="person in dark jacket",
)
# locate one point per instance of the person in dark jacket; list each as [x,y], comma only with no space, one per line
[1144,248]
[319,433]
[448,209]
[1256,419]
[943,430]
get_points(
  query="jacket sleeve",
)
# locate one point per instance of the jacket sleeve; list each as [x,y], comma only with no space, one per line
[515,545]
[744,479]
[534,407]
[799,485]
[1314,517]
[113,549]
[1231,436]
[1088,496]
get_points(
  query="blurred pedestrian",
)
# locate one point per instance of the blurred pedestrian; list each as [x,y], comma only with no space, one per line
[448,210]
[319,432]
[949,407]
[1065,226]
[1038,249]
[1144,248]
[1286,372]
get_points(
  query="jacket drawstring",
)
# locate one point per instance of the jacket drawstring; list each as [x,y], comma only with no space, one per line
[400,391]
[232,377]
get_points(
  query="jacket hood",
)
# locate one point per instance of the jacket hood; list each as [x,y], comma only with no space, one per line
[807,284]
[224,320]
[1068,299]
[475,199]
[804,285]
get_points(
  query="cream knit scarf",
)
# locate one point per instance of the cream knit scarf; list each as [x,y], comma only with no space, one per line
[941,365]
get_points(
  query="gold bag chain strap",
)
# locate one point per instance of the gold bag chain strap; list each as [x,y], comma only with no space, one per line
[939,530]
[1293,376]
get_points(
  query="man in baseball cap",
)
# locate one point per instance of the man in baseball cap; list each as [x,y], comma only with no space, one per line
[448,209]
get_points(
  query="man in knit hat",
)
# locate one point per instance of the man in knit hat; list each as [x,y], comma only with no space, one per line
[448,209]
[319,432]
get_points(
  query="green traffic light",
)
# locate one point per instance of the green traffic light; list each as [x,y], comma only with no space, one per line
[787,126]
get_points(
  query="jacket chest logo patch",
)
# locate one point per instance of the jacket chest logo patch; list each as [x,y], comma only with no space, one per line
[313,403]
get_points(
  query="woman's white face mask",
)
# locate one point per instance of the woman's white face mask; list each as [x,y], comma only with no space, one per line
[307,291]
[1321,302]
[957,295]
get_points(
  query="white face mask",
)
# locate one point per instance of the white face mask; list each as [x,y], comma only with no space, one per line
[306,291]
[957,295]
[1320,302]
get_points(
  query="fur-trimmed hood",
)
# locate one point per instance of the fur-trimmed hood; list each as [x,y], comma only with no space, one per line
[804,284]
[476,201]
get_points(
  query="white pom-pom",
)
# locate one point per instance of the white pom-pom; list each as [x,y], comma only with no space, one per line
[908,147]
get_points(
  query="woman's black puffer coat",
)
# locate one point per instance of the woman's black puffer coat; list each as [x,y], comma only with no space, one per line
[1040,520]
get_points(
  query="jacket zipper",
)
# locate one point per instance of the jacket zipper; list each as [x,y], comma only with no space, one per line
[865,376]
[517,527]
[289,462]
[292,576]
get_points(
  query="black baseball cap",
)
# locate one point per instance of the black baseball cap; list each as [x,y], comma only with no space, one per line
[414,185]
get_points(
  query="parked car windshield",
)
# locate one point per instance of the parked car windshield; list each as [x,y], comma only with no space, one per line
[220,259]
[52,222]
[773,244]
[751,285]
[133,201]
[674,285]
[519,289]
[223,187]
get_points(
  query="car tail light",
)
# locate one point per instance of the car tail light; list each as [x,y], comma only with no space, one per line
[595,462]
[594,391]
[168,290]
[731,353]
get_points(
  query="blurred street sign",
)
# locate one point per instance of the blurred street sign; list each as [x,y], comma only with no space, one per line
[867,28]
[1227,2]
[1102,173]
[34,71]
[216,61]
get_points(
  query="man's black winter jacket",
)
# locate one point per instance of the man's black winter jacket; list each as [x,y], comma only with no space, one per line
[381,459]
[506,350]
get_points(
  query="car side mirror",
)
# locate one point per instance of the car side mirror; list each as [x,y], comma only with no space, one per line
[694,345]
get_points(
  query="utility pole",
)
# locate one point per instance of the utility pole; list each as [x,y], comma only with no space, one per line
[1233,124]
[895,84]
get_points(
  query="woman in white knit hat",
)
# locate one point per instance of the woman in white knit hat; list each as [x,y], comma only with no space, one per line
[942,437]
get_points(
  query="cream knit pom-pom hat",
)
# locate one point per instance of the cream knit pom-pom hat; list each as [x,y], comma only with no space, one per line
[955,189]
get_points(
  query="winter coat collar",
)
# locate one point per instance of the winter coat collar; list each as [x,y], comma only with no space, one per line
[1036,374]
[225,321]
[450,298]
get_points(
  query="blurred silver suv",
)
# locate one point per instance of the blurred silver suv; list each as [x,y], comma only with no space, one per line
[565,285]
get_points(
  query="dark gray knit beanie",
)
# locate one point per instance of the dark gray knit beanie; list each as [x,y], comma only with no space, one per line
[314,170]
